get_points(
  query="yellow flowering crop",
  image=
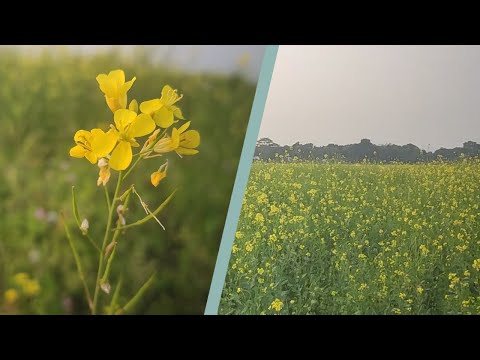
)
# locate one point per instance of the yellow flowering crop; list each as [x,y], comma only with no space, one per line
[116,151]
[358,239]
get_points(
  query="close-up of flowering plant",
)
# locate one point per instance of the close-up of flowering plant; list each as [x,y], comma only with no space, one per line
[115,153]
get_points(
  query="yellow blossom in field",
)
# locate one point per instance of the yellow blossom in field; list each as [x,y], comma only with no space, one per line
[249,247]
[424,250]
[396,311]
[11,296]
[260,271]
[21,278]
[235,248]
[31,288]
[476,264]
[272,238]
[419,290]
[115,88]
[276,305]
[238,235]
[163,110]
[259,218]
[402,295]
[128,126]
[239,290]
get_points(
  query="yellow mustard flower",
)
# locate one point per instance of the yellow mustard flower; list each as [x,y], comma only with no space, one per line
[11,296]
[128,126]
[168,143]
[276,305]
[163,110]
[115,89]
[92,144]
[476,264]
[189,140]
[159,175]
[31,287]
[21,278]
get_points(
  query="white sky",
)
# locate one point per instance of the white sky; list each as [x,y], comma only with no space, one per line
[425,95]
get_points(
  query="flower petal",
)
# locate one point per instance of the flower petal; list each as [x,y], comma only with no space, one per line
[184,127]
[141,126]
[128,85]
[82,136]
[78,151]
[121,156]
[91,157]
[133,106]
[163,117]
[157,176]
[118,76]
[190,139]
[123,117]
[177,112]
[106,85]
[103,143]
[150,106]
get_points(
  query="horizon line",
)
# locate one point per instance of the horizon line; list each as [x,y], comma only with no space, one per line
[385,144]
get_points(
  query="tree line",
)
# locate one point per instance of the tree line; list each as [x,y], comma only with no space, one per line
[267,150]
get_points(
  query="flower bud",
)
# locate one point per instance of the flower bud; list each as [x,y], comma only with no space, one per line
[84,226]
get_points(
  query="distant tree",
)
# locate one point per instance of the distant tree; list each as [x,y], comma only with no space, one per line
[365,150]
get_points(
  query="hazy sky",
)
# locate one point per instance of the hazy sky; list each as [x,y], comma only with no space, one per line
[388,94]
[211,58]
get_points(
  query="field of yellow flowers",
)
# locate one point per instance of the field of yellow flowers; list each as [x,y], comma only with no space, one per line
[44,100]
[357,239]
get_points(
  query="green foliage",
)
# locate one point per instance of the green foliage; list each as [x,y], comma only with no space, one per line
[357,239]
[44,100]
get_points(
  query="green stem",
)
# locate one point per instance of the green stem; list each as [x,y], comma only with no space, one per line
[75,207]
[116,294]
[107,196]
[77,218]
[132,167]
[136,298]
[152,214]
[78,263]
[114,239]
[109,264]
[105,242]
[93,243]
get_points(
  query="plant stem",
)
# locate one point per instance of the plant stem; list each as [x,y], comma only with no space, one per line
[114,239]
[132,167]
[93,243]
[107,196]
[105,242]
[78,263]
[134,301]
[151,215]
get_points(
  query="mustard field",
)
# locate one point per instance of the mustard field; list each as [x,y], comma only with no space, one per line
[357,239]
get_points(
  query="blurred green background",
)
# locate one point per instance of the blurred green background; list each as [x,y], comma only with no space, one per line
[44,98]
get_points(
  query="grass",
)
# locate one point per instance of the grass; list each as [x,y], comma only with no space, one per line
[357,239]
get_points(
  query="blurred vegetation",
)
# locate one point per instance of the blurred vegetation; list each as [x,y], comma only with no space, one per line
[44,99]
